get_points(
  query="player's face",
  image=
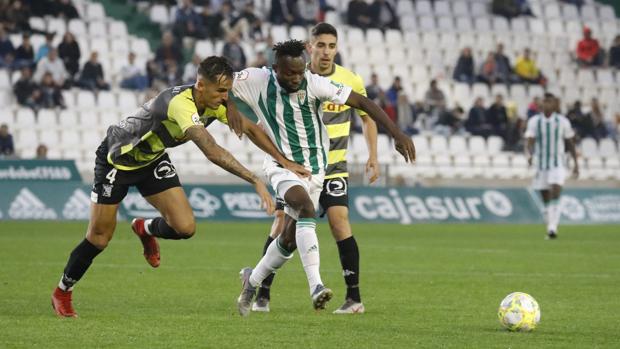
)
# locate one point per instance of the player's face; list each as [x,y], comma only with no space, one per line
[549,105]
[290,72]
[214,93]
[323,49]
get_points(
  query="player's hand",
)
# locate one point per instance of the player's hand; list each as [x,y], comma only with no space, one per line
[235,120]
[404,145]
[372,169]
[297,169]
[265,197]
[576,172]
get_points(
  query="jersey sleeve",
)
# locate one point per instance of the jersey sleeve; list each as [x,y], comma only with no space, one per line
[530,131]
[567,129]
[358,86]
[328,90]
[184,113]
[246,84]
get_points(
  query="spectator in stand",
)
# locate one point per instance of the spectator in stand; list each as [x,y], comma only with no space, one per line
[187,22]
[45,47]
[435,100]
[450,122]
[476,122]
[358,14]
[383,16]
[7,51]
[259,61]
[307,11]
[247,24]
[388,108]
[395,89]
[502,65]
[51,97]
[69,52]
[577,3]
[579,120]
[497,116]
[614,53]
[15,17]
[233,51]
[172,74]
[268,51]
[534,107]
[92,77]
[169,49]
[66,10]
[24,55]
[191,70]
[211,22]
[526,69]
[589,53]
[132,75]
[511,8]
[41,153]
[488,70]
[599,129]
[7,149]
[26,91]
[282,12]
[373,90]
[52,64]
[405,115]
[464,69]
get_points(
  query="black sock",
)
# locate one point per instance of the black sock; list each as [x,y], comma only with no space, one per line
[80,259]
[350,261]
[263,291]
[159,228]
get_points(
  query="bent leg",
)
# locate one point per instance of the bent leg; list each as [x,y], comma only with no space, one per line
[348,250]
[177,221]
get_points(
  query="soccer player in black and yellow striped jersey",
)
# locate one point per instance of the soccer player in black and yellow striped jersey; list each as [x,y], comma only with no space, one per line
[334,199]
[133,154]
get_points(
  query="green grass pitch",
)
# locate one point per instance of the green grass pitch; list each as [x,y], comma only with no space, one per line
[424,286]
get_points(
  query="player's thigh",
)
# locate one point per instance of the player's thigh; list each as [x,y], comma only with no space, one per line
[173,205]
[102,224]
[338,217]
[554,191]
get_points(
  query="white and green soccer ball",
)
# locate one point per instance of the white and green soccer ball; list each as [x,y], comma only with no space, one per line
[519,312]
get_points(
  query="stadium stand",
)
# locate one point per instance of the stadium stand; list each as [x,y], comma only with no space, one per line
[431,38]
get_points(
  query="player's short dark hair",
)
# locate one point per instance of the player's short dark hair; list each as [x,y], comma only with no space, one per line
[549,95]
[291,48]
[212,67]
[324,28]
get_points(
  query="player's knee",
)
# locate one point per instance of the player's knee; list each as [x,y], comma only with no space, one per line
[185,230]
[307,209]
[340,230]
[99,236]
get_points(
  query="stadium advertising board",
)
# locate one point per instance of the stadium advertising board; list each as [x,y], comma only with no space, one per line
[33,200]
[38,170]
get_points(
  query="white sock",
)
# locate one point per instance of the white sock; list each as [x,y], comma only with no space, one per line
[274,258]
[545,214]
[64,287]
[308,247]
[555,218]
[147,224]
[552,212]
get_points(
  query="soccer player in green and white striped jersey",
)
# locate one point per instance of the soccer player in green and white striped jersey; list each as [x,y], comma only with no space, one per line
[547,134]
[288,101]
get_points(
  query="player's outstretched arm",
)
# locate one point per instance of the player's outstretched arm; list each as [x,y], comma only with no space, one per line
[370,134]
[260,138]
[221,157]
[570,147]
[529,149]
[403,143]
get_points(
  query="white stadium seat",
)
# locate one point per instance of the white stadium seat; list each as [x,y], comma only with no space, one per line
[159,14]
[95,11]
[423,8]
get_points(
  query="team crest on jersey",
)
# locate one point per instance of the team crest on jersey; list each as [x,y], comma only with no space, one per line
[301,95]
[164,170]
[196,119]
[336,187]
[242,75]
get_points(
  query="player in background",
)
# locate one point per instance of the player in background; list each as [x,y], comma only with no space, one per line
[133,154]
[288,100]
[334,199]
[548,134]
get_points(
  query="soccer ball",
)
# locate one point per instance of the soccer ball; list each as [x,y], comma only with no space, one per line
[519,312]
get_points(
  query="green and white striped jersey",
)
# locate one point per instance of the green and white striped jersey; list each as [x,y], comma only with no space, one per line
[293,121]
[550,134]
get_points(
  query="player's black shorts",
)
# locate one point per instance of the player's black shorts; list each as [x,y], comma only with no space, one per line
[111,185]
[279,203]
[335,193]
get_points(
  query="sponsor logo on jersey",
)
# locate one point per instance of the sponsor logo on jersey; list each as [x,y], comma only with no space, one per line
[78,206]
[245,205]
[336,187]
[242,75]
[196,119]
[26,205]
[164,169]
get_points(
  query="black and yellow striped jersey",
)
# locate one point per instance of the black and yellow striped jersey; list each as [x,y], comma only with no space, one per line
[337,118]
[142,137]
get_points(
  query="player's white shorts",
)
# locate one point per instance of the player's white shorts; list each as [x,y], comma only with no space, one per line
[543,179]
[282,180]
